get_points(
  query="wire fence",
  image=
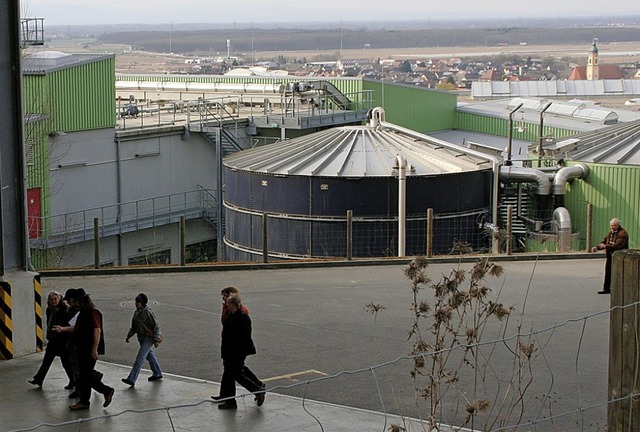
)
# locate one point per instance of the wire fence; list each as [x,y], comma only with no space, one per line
[476,364]
[250,236]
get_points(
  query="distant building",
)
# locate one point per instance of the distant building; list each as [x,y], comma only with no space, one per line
[490,75]
[594,71]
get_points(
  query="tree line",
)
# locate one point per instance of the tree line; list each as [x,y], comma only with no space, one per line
[248,40]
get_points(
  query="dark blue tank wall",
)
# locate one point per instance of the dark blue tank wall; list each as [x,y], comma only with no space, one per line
[375,196]
[373,200]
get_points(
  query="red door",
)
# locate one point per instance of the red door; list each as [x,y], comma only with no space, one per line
[34,213]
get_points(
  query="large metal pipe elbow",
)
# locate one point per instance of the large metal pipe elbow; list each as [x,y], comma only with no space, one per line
[562,227]
[510,173]
[376,116]
[566,174]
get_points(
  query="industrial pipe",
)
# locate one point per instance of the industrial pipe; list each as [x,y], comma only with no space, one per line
[509,174]
[510,134]
[495,162]
[563,176]
[402,203]
[562,227]
[541,133]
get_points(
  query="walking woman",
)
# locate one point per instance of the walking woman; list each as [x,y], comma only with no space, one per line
[145,325]
[57,314]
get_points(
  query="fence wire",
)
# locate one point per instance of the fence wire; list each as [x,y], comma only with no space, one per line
[563,393]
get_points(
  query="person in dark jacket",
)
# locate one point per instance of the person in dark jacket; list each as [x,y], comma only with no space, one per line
[72,315]
[225,293]
[57,315]
[89,336]
[615,240]
[235,347]
[146,327]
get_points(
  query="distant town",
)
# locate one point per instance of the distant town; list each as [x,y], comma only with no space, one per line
[487,51]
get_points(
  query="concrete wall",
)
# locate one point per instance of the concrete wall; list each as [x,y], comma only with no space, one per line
[130,245]
[90,169]
[95,169]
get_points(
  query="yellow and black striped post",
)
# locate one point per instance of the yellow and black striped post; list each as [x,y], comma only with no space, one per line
[6,322]
[37,291]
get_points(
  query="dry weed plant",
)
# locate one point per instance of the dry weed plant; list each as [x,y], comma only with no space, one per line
[450,360]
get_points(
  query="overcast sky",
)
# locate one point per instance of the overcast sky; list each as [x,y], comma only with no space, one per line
[70,12]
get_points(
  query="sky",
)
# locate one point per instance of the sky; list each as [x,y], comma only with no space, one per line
[72,12]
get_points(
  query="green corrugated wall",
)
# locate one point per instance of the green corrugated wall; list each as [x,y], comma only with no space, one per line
[37,108]
[84,96]
[500,127]
[613,191]
[416,108]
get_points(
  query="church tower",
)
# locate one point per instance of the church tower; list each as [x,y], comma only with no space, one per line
[593,72]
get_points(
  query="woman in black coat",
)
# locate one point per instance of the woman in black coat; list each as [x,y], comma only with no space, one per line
[236,346]
[58,343]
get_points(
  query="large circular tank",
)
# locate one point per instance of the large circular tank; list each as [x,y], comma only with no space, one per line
[305,186]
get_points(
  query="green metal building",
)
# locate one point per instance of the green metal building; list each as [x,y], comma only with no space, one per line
[62,93]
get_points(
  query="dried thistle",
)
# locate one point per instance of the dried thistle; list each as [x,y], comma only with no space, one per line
[498,310]
[373,309]
[457,299]
[424,393]
[420,347]
[527,349]
[459,275]
[496,270]
[442,315]
[414,271]
[396,428]
[423,307]
[449,377]
[475,406]
[471,335]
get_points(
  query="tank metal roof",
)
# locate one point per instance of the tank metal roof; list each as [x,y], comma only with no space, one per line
[359,151]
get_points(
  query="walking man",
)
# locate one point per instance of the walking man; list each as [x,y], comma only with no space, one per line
[145,325]
[89,336]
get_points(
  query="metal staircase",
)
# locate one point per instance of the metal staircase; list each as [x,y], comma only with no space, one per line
[233,137]
[332,93]
[518,226]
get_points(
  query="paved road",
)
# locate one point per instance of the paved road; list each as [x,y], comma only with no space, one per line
[311,324]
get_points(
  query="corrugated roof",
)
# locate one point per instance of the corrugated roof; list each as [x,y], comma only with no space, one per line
[619,144]
[565,88]
[355,152]
[43,62]
[578,116]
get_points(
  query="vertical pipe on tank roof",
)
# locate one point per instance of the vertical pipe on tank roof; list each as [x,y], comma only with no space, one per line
[508,162]
[402,203]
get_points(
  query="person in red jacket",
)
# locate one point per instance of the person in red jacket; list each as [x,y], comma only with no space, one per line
[615,240]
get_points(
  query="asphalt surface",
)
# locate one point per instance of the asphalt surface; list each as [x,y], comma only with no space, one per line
[316,338]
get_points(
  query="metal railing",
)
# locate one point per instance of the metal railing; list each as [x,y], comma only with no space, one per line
[73,227]
[200,113]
